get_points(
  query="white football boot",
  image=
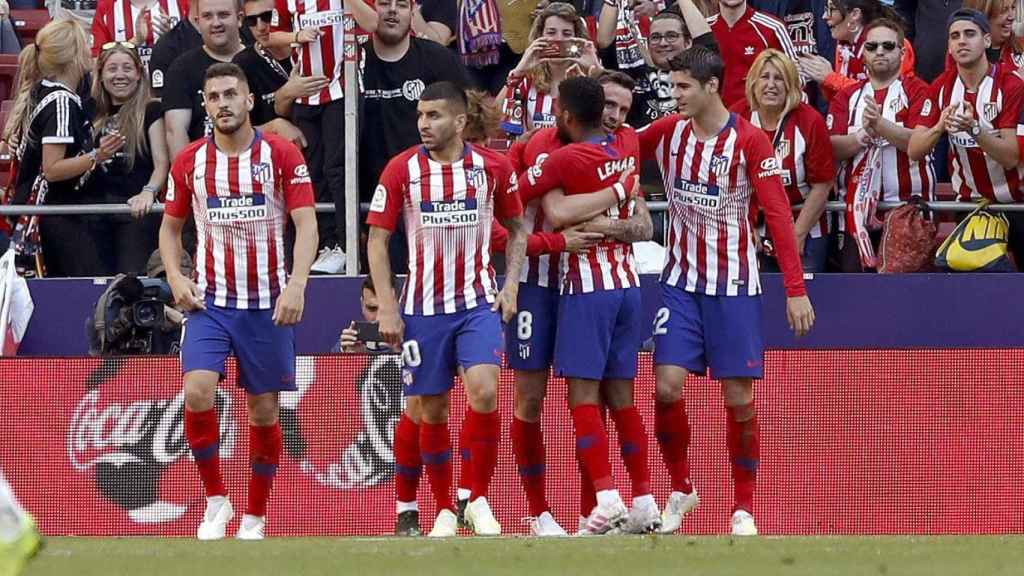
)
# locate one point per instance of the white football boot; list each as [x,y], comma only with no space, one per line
[446,525]
[644,517]
[743,524]
[605,517]
[215,520]
[545,526]
[677,507]
[252,527]
[480,519]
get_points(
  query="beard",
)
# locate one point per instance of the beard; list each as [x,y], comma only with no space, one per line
[230,125]
[391,37]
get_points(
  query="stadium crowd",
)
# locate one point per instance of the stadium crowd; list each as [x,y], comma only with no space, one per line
[839,87]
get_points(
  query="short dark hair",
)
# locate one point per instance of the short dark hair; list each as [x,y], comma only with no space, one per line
[450,93]
[368,284]
[672,14]
[887,23]
[582,97]
[616,77]
[702,63]
[224,69]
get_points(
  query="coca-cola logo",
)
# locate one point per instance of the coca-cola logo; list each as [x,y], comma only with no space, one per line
[119,434]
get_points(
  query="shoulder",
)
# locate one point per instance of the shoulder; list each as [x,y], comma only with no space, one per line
[154,112]
[427,46]
[188,62]
[246,57]
[748,133]
[713,20]
[807,113]
[399,162]
[663,125]
[493,161]
[848,91]
[51,95]
[186,158]
[944,80]
[769,21]
[1008,79]
[742,108]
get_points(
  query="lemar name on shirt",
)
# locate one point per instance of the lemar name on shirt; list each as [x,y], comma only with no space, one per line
[235,209]
[449,213]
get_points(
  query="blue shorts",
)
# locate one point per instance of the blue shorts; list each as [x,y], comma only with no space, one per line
[530,337]
[697,332]
[265,352]
[599,334]
[436,345]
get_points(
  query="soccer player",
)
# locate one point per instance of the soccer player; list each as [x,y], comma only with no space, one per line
[241,185]
[19,538]
[979,105]
[713,162]
[598,335]
[448,192]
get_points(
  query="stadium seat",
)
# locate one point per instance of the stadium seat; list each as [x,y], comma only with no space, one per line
[28,22]
[8,73]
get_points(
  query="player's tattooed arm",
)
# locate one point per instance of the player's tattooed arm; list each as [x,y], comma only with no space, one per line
[564,211]
[515,254]
[636,228]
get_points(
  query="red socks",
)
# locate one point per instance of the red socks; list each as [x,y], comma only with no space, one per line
[744,451]
[528,446]
[203,435]
[592,445]
[633,444]
[264,457]
[465,453]
[408,465]
[672,428]
[485,431]
[436,452]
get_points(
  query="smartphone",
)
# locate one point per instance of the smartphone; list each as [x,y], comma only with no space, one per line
[569,48]
[367,332]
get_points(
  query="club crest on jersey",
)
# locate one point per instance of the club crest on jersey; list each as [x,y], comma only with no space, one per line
[612,167]
[696,194]
[261,172]
[719,165]
[782,149]
[989,111]
[477,178]
[449,213]
[235,209]
[926,108]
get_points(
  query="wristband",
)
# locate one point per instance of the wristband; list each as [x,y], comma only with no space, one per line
[91,154]
[151,189]
[620,191]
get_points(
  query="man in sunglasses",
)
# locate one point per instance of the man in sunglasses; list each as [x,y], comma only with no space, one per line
[269,67]
[671,32]
[979,105]
[873,115]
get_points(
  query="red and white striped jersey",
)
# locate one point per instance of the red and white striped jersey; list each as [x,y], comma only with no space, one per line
[448,210]
[804,152]
[850,58]
[540,270]
[997,105]
[323,56]
[902,178]
[709,185]
[539,107]
[241,206]
[739,46]
[583,168]
[114,20]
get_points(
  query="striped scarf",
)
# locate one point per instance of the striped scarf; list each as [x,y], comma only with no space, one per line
[479,33]
[629,42]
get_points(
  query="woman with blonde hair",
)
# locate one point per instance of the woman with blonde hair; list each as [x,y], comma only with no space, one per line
[55,152]
[135,175]
[1007,47]
[801,143]
[558,41]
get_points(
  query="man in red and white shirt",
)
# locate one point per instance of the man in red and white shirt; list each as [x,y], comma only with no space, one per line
[241,185]
[873,116]
[141,22]
[316,28]
[598,334]
[448,192]
[742,33]
[713,163]
[979,105]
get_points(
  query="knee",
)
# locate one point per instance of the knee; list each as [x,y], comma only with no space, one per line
[617,394]
[434,409]
[483,397]
[263,410]
[739,394]
[584,392]
[668,391]
[528,407]
[413,409]
[199,397]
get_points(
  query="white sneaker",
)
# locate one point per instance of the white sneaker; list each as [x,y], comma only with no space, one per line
[604,518]
[157,512]
[330,260]
[445,525]
[678,506]
[252,527]
[743,524]
[480,519]
[545,525]
[215,520]
[643,518]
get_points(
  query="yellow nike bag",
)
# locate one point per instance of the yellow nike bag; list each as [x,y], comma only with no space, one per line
[977,244]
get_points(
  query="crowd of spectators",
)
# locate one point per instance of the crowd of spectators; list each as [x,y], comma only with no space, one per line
[106,97]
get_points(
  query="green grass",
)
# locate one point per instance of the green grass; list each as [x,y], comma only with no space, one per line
[626,556]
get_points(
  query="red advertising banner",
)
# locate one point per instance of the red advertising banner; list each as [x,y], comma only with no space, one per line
[853,442]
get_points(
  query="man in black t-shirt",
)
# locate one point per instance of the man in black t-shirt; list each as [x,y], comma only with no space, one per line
[394,71]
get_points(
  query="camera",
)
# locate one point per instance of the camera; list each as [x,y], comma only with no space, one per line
[134,317]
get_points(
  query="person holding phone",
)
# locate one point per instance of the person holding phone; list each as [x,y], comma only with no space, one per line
[558,44]
[361,337]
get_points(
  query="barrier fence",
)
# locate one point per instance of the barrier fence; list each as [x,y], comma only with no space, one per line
[853,442]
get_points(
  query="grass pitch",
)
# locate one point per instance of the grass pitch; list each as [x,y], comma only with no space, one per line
[626,556]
